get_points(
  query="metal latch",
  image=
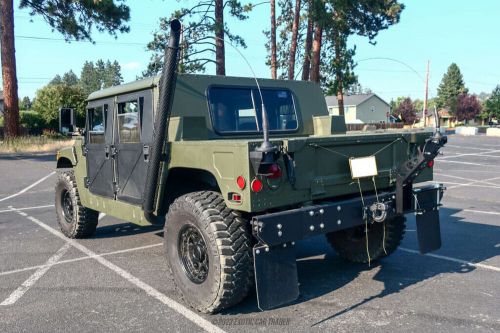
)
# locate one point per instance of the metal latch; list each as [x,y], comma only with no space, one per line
[145,152]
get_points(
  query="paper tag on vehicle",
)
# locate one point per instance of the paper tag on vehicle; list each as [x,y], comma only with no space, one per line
[363,167]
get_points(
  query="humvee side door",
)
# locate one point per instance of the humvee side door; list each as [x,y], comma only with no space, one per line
[133,136]
[99,147]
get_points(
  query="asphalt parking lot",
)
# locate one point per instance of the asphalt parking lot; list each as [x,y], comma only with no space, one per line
[117,281]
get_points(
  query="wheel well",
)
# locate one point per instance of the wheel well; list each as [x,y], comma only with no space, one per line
[64,162]
[185,180]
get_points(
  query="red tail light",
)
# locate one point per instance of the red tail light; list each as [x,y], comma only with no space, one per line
[430,163]
[256,185]
[241,182]
[274,171]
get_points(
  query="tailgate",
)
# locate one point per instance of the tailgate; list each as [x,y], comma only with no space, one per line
[322,163]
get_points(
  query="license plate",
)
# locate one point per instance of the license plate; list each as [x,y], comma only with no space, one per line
[363,167]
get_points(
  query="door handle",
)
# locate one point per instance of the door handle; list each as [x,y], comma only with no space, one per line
[106,152]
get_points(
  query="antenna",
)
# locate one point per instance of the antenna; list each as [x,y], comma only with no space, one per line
[266,146]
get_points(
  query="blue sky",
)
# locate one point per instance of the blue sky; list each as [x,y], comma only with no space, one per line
[444,31]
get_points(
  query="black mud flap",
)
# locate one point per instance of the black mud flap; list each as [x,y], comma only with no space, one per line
[428,231]
[276,278]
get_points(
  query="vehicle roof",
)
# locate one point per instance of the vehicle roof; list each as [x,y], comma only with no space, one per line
[152,82]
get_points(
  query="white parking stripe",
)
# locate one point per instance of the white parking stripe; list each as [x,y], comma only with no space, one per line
[480,211]
[27,188]
[440,160]
[470,154]
[67,261]
[459,261]
[25,208]
[19,292]
[149,290]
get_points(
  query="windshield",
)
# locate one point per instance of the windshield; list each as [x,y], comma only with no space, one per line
[235,110]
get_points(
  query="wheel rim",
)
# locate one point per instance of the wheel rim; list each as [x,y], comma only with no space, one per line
[193,254]
[67,206]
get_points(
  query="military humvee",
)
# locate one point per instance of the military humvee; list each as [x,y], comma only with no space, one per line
[238,170]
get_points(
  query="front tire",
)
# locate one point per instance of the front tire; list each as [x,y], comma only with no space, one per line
[75,220]
[208,251]
[350,243]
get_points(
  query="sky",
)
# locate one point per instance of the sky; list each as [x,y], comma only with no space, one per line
[444,31]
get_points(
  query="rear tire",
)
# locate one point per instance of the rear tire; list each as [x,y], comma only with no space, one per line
[350,243]
[75,220]
[208,251]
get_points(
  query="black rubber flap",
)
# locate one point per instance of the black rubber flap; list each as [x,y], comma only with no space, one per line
[275,275]
[428,231]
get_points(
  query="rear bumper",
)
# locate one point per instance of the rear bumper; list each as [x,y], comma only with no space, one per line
[276,277]
[296,224]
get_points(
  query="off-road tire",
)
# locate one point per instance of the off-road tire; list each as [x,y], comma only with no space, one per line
[82,223]
[350,243]
[228,248]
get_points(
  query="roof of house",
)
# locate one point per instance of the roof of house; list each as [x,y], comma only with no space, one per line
[351,100]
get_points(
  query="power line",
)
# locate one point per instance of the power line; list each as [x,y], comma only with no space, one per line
[78,41]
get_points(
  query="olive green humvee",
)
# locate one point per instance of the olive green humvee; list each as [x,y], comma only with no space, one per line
[238,170]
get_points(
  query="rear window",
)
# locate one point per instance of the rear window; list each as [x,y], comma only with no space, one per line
[236,110]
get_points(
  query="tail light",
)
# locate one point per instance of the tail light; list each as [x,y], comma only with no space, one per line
[256,185]
[274,171]
[430,163]
[241,182]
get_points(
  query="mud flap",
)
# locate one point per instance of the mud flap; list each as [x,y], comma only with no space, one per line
[428,231]
[276,278]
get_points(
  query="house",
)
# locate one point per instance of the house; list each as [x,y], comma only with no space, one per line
[1,102]
[362,108]
[447,120]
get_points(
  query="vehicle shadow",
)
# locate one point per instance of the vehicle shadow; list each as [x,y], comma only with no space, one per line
[322,272]
[126,229]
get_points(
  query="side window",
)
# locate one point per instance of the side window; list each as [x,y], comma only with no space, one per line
[129,129]
[97,124]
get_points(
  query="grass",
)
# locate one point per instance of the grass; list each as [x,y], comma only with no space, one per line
[34,144]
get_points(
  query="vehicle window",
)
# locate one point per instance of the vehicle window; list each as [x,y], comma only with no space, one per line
[239,109]
[97,124]
[128,122]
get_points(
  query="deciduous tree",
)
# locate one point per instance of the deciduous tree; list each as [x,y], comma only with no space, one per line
[406,111]
[468,107]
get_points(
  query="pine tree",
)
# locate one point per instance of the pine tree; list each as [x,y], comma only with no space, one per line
[204,35]
[73,19]
[451,86]
[70,78]
[492,104]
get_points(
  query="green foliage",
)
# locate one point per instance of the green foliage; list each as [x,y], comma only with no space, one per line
[70,78]
[32,120]
[77,19]
[25,103]
[451,86]
[198,40]
[100,75]
[52,97]
[492,105]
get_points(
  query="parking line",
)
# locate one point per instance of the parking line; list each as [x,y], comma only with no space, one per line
[25,208]
[67,261]
[459,261]
[440,160]
[149,290]
[470,154]
[28,188]
[19,292]
[480,211]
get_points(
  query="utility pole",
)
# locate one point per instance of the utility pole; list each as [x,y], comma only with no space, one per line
[426,95]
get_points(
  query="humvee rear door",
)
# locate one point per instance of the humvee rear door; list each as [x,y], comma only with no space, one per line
[132,139]
[99,149]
